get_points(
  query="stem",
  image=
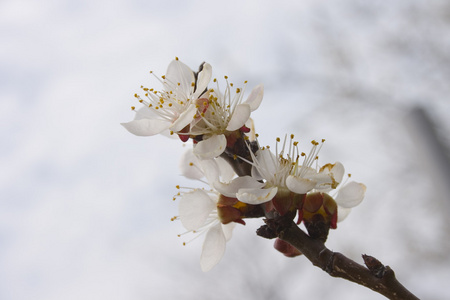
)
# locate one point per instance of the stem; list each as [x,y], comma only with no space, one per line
[375,276]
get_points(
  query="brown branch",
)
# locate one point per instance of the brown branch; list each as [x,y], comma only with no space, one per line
[375,276]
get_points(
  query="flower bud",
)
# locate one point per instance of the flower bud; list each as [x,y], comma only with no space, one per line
[319,214]
[286,248]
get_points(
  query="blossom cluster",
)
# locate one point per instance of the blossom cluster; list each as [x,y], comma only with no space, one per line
[244,180]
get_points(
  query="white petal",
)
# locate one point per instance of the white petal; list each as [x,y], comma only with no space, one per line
[338,172]
[190,165]
[210,170]
[268,163]
[299,185]
[146,127]
[184,118]
[256,196]
[213,248]
[203,80]
[212,147]
[240,116]
[226,171]
[251,125]
[255,97]
[230,189]
[350,195]
[343,213]
[178,72]
[329,176]
[228,230]
[194,209]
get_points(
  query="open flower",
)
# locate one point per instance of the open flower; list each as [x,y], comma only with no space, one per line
[202,211]
[173,108]
[220,114]
[282,174]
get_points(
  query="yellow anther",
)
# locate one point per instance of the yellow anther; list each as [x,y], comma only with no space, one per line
[245,81]
[184,244]
[323,140]
[178,84]
[238,90]
[176,58]
[163,77]
[192,83]
[141,101]
[292,136]
[303,154]
[257,135]
[211,90]
[150,105]
[226,77]
[231,84]
[170,104]
[234,156]
[145,89]
[278,139]
[171,132]
[191,164]
[349,175]
[136,95]
[215,80]
[295,143]
[177,186]
[133,108]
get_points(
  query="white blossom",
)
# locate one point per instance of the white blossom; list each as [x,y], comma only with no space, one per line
[173,108]
[221,113]
[282,172]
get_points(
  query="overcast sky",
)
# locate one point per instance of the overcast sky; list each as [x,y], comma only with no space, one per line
[85,206]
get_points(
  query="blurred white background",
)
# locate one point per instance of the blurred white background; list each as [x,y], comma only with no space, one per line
[85,206]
